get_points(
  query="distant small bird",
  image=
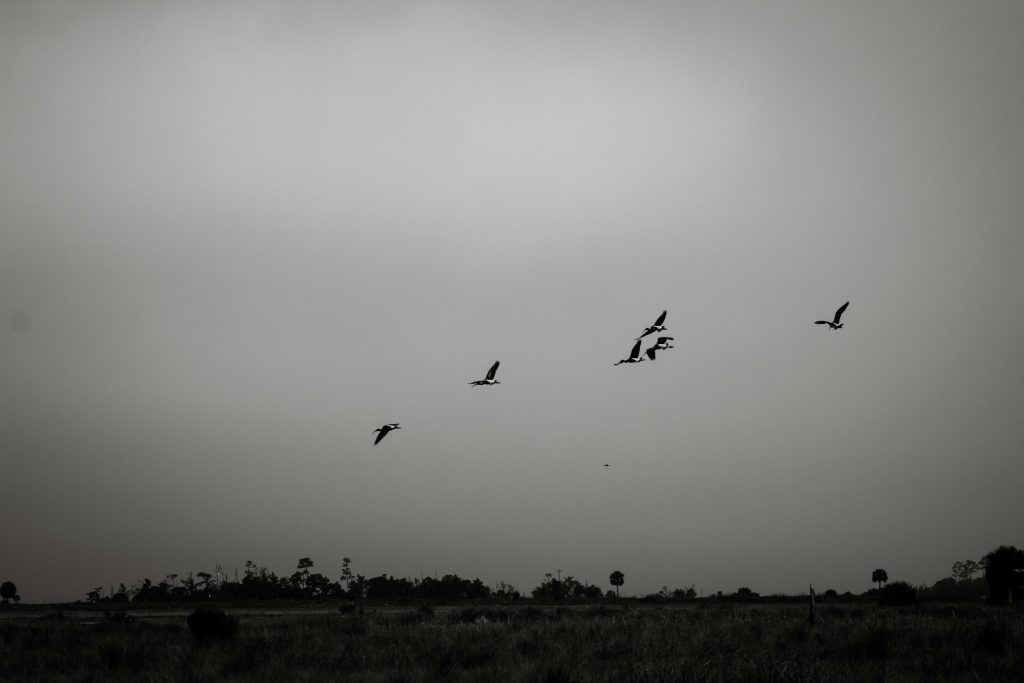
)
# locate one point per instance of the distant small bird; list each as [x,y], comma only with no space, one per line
[489,379]
[384,431]
[606,465]
[634,355]
[835,324]
[658,326]
[663,343]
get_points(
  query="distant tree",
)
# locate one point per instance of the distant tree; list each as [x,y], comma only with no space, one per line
[189,584]
[684,593]
[1004,573]
[551,589]
[122,594]
[95,595]
[300,578]
[346,571]
[879,576]
[506,591]
[897,593]
[744,593]
[963,571]
[8,591]
[616,579]
[204,582]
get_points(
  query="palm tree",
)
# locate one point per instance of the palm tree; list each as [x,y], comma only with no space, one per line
[616,579]
[879,576]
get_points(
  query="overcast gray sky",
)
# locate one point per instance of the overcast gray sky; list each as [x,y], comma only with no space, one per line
[248,233]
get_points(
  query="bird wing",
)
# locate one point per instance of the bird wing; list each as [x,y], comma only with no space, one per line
[650,352]
[661,318]
[635,353]
[494,369]
[383,432]
[839,313]
[662,340]
[821,322]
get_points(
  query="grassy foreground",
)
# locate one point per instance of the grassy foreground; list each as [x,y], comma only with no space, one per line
[702,643]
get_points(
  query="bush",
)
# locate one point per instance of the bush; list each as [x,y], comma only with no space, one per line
[896,594]
[212,623]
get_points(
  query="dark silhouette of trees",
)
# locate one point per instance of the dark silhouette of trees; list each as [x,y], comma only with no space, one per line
[963,571]
[744,594]
[346,572]
[8,591]
[897,593]
[684,593]
[1004,573]
[449,588]
[555,588]
[258,583]
[616,579]
[879,576]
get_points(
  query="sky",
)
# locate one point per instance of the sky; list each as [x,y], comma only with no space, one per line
[249,233]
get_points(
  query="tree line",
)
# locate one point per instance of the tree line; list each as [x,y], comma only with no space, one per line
[1001,580]
[259,583]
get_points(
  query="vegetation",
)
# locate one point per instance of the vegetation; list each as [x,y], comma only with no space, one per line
[879,576]
[1003,579]
[1004,573]
[616,579]
[259,584]
[710,642]
[211,623]
[897,594]
[9,592]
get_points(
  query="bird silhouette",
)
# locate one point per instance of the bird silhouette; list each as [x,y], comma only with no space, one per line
[489,379]
[835,324]
[634,355]
[658,326]
[384,431]
[663,343]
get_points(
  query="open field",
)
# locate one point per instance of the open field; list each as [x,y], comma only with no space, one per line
[690,643]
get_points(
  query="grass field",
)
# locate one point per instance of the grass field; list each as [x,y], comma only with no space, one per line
[690,643]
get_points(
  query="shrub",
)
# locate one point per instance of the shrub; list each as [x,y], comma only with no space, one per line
[897,593]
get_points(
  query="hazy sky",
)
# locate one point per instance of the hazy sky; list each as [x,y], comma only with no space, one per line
[248,233]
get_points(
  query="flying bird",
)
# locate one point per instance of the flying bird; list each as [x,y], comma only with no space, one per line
[384,431]
[835,324]
[634,355]
[489,379]
[663,343]
[658,326]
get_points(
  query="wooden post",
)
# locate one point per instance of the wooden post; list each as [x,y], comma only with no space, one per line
[810,614]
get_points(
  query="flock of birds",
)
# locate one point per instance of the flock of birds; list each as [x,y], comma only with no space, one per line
[663,342]
[634,357]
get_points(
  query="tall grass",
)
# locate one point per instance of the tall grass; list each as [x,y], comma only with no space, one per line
[729,643]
